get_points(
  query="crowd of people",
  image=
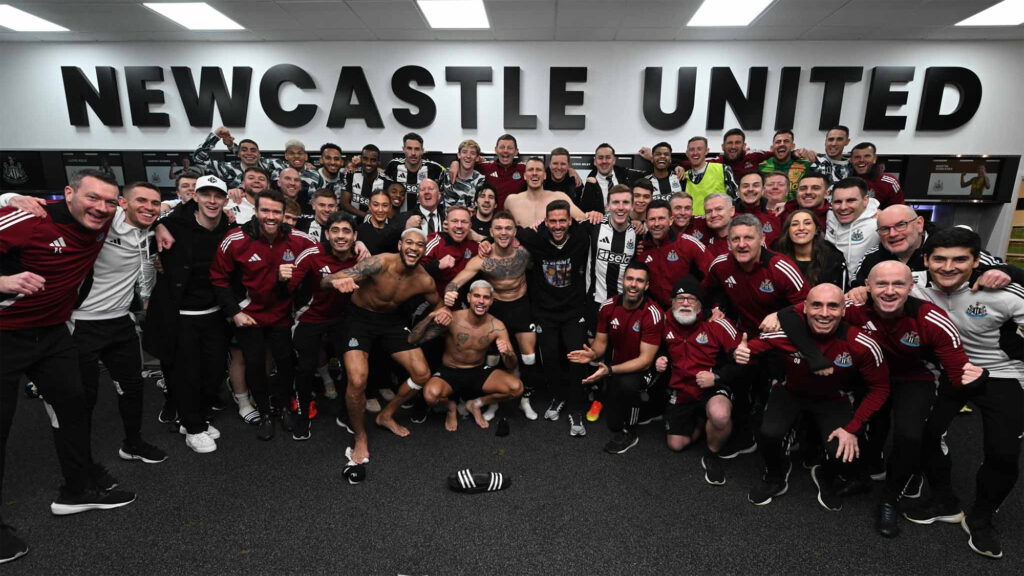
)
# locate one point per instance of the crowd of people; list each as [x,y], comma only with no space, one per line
[785,302]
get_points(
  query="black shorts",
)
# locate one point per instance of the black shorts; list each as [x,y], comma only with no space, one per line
[466,383]
[683,419]
[515,315]
[591,318]
[363,328]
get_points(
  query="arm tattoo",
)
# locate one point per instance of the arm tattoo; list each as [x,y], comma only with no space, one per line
[451,287]
[425,331]
[369,267]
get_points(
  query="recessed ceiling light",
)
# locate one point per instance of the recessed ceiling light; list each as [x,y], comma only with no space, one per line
[1006,13]
[728,12]
[21,21]
[454,14]
[194,15]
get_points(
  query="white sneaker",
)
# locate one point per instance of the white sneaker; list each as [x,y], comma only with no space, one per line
[373,406]
[210,431]
[524,405]
[200,443]
[490,412]
[387,394]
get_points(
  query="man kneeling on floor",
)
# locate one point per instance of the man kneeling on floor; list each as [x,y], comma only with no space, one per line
[465,373]
[824,395]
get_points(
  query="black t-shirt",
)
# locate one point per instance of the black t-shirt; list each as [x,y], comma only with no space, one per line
[480,227]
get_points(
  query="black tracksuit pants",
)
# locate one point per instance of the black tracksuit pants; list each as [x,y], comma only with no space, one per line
[780,415]
[556,337]
[254,343]
[622,399]
[116,343]
[308,340]
[200,361]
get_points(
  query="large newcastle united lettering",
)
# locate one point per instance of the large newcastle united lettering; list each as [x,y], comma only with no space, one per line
[353,98]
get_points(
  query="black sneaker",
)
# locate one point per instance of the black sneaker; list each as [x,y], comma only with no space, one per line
[827,496]
[765,490]
[876,469]
[167,415]
[913,488]
[714,470]
[934,510]
[846,487]
[288,420]
[67,503]
[301,429]
[141,450]
[101,478]
[11,547]
[887,520]
[982,537]
[622,442]
[31,392]
[419,412]
[742,444]
[342,422]
[266,428]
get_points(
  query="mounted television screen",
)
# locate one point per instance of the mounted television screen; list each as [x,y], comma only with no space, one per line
[963,178]
[106,161]
[163,168]
[22,171]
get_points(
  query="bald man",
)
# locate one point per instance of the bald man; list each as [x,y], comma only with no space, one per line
[901,234]
[911,333]
[823,396]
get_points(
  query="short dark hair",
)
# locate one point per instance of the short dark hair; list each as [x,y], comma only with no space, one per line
[604,145]
[330,146]
[103,176]
[662,145]
[412,136]
[559,151]
[852,182]
[143,184]
[371,148]
[638,265]
[813,174]
[620,189]
[734,132]
[695,138]
[481,190]
[557,205]
[249,141]
[864,145]
[758,174]
[324,193]
[186,174]
[659,204]
[844,129]
[786,131]
[272,195]
[644,184]
[536,159]
[955,237]
[503,215]
[256,169]
[341,217]
[507,136]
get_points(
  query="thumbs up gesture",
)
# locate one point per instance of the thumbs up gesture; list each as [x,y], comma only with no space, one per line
[742,352]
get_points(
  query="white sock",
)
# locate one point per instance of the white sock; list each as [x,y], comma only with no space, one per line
[325,374]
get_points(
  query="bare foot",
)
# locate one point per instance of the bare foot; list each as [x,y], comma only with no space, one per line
[360,452]
[389,423]
[474,408]
[451,421]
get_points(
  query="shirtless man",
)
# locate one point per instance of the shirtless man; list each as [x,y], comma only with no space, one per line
[379,285]
[464,373]
[505,269]
[528,207]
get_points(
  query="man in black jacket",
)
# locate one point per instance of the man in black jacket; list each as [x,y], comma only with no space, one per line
[606,173]
[184,327]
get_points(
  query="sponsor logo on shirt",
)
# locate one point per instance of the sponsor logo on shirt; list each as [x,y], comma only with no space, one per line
[702,338]
[977,311]
[605,255]
[58,245]
[843,360]
[767,287]
[911,339]
[649,259]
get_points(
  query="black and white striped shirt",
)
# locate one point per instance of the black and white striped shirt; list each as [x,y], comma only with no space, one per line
[361,188]
[397,171]
[610,253]
[664,188]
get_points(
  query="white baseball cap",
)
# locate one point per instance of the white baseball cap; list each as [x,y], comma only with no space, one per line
[211,182]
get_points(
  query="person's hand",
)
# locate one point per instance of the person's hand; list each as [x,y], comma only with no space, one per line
[451,297]
[971,373]
[742,352]
[778,209]
[483,249]
[32,205]
[164,239]
[991,280]
[582,356]
[414,221]
[661,364]
[442,316]
[824,371]
[577,181]
[858,295]
[716,314]
[595,217]
[454,171]
[504,348]
[602,372]
[362,252]
[231,216]
[243,320]
[806,154]
[645,153]
[848,449]
[591,180]
[705,379]
[284,272]
[158,264]
[770,323]
[447,262]
[345,284]
[236,195]
[680,172]
[24,283]
[225,136]
[640,229]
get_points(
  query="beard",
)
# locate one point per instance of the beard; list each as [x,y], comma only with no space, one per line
[684,318]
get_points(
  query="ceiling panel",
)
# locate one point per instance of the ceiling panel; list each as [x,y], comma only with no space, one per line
[389,14]
[591,14]
[524,14]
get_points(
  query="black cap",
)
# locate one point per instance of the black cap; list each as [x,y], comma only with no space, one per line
[689,285]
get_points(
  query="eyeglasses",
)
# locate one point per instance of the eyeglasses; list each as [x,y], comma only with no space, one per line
[686,298]
[898,227]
